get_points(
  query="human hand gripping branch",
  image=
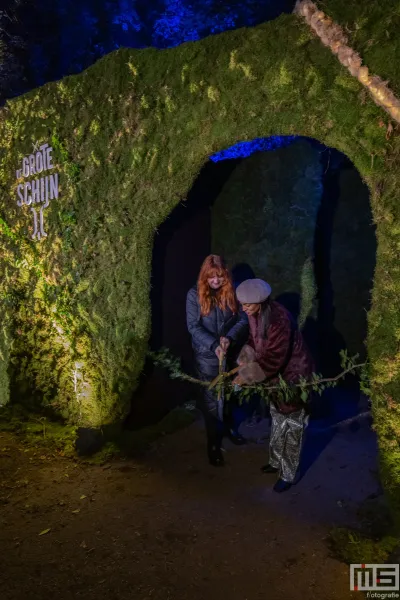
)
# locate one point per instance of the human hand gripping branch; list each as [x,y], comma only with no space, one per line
[222,349]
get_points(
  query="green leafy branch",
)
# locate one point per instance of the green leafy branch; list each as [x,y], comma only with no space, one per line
[282,392]
[165,359]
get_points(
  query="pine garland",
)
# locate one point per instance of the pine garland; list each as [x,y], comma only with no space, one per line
[282,392]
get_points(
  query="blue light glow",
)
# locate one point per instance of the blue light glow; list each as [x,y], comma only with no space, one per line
[127,17]
[244,149]
[63,37]
[183,22]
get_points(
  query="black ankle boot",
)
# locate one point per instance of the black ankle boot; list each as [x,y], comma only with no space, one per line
[282,486]
[215,457]
[214,451]
[236,438]
[269,469]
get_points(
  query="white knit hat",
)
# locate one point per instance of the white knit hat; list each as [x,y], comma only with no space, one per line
[253,291]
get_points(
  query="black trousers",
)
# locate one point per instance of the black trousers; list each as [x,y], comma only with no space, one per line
[207,404]
[215,428]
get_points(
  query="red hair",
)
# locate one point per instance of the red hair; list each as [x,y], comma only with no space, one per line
[214,266]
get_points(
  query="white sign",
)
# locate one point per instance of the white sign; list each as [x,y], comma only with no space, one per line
[39,190]
[375,578]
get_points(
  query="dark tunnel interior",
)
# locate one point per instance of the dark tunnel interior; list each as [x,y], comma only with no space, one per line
[342,248]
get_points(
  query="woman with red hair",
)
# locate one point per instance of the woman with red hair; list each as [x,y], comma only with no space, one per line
[219,328]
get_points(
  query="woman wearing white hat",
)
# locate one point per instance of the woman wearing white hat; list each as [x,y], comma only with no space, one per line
[275,348]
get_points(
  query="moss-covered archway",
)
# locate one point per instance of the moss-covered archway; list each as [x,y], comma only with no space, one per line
[129,136]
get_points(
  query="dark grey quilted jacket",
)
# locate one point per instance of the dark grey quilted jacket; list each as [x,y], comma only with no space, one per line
[206,331]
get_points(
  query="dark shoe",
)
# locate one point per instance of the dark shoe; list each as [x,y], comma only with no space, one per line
[215,457]
[216,462]
[236,438]
[282,486]
[269,469]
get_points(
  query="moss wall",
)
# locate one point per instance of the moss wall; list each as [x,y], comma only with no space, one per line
[129,136]
[266,216]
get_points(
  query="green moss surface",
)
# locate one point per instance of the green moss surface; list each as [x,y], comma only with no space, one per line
[38,431]
[354,548]
[129,136]
[373,541]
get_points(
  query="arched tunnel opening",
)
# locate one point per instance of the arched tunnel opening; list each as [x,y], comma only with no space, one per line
[298,216]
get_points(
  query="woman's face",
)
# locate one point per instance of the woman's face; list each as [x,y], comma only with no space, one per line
[251,310]
[216,282]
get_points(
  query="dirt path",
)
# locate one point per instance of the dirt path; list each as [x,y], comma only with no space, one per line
[172,527]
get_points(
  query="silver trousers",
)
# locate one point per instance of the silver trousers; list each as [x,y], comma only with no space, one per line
[286,441]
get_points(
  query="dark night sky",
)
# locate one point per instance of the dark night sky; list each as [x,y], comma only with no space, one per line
[45,40]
